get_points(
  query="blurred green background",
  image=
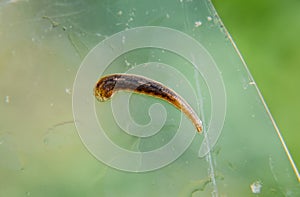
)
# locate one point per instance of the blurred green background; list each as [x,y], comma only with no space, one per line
[267,33]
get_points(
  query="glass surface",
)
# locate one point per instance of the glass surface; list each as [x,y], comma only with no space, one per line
[57,140]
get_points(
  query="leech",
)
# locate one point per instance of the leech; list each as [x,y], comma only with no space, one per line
[108,85]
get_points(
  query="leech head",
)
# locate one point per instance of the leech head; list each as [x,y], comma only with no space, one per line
[104,89]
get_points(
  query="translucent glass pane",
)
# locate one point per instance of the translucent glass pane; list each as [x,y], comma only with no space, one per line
[56,139]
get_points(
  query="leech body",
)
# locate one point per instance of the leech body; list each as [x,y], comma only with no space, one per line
[108,85]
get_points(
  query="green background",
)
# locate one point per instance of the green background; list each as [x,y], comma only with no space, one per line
[43,44]
[267,33]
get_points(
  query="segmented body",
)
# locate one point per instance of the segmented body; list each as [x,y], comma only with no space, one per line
[108,85]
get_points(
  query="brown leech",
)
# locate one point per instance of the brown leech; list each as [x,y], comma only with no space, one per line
[108,85]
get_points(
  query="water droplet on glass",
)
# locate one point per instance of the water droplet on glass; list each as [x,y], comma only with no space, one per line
[130,19]
[132,14]
[123,39]
[127,63]
[256,187]
[120,12]
[68,90]
[198,23]
[7,99]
